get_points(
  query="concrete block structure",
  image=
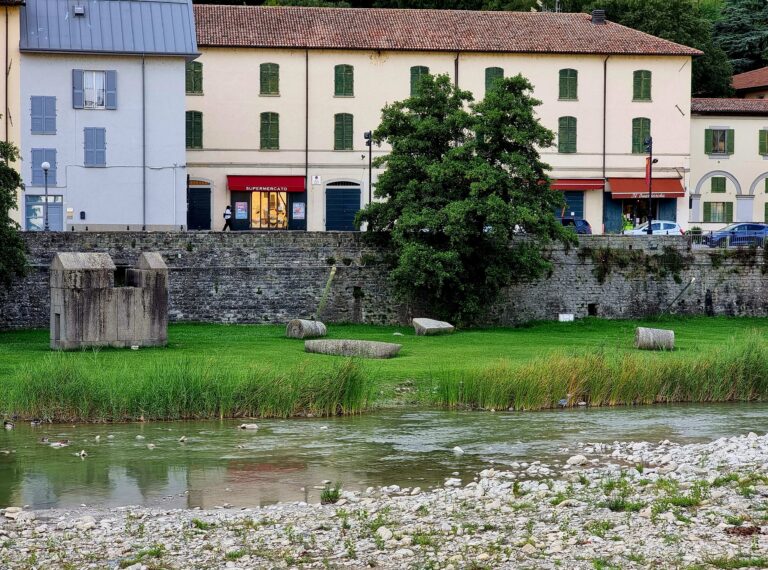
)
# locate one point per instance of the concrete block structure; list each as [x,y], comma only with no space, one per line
[89,309]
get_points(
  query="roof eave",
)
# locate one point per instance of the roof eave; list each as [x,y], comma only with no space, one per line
[187,55]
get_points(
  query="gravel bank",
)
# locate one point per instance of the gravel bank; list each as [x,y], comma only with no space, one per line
[626,505]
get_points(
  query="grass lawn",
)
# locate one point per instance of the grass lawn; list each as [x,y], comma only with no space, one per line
[239,350]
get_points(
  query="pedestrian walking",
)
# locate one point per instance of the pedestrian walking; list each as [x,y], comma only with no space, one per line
[227,219]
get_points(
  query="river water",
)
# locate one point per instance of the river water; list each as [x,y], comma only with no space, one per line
[287,460]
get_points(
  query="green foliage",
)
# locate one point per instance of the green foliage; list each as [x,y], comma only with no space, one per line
[743,33]
[13,262]
[330,495]
[460,179]
[605,259]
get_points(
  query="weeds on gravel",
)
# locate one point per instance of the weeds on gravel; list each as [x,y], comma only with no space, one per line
[200,524]
[738,562]
[599,528]
[330,495]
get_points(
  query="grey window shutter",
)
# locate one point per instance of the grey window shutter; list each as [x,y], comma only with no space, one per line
[38,156]
[38,115]
[110,89]
[90,146]
[100,146]
[50,157]
[49,115]
[78,96]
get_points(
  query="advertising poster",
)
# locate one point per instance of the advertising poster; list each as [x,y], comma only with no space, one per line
[299,210]
[241,210]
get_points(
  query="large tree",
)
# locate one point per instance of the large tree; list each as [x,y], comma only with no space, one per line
[461,182]
[12,259]
[743,33]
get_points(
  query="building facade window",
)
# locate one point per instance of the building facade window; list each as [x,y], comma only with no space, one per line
[344,81]
[719,141]
[39,156]
[43,110]
[763,142]
[269,79]
[342,139]
[270,131]
[417,72]
[94,89]
[718,212]
[194,129]
[718,185]
[566,135]
[194,77]
[641,85]
[641,130]
[569,84]
[34,213]
[95,146]
[492,75]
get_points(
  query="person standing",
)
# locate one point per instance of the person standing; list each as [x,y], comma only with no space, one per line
[227,218]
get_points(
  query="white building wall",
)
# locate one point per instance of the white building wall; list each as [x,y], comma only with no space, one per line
[113,197]
[745,170]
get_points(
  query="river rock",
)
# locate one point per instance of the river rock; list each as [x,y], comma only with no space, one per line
[428,327]
[384,533]
[576,460]
[360,348]
[303,328]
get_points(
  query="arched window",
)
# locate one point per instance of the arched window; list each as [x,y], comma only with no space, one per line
[270,131]
[569,83]
[344,81]
[194,129]
[417,72]
[492,74]
[641,130]
[566,135]
[194,78]
[269,75]
[342,139]
[641,85]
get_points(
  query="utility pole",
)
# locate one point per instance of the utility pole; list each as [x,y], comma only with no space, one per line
[369,143]
[649,162]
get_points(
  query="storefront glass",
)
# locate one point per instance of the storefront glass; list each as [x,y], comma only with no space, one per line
[269,211]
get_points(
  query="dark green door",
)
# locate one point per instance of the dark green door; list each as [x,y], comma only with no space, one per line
[199,208]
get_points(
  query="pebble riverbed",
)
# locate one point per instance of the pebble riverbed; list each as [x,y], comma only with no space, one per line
[625,505]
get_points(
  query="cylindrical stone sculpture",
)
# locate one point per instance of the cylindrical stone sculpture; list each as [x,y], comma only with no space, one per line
[654,339]
[302,328]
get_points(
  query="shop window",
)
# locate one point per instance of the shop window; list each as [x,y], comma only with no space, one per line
[269,75]
[718,185]
[492,75]
[568,84]
[342,139]
[194,129]
[417,72]
[641,130]
[641,85]
[719,141]
[344,81]
[270,131]
[718,212]
[34,213]
[194,78]
[269,210]
[566,135]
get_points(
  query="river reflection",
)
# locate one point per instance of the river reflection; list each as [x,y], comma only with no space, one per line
[287,460]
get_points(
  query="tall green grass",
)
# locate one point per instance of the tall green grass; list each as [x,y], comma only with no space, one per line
[736,372]
[62,387]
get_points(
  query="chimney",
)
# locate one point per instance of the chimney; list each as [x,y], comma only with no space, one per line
[598,16]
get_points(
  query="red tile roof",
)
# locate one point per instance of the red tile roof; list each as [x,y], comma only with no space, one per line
[751,79]
[421,30]
[730,106]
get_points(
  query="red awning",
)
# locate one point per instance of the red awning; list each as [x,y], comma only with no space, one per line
[577,184]
[634,188]
[265,183]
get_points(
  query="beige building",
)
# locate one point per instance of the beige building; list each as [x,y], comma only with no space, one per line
[280,99]
[729,162]
[11,84]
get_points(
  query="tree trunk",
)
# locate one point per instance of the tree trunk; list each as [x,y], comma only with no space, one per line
[302,328]
[654,339]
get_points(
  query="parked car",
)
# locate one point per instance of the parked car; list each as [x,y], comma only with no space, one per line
[737,235]
[659,227]
[579,225]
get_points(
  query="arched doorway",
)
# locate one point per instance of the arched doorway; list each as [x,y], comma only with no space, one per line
[342,202]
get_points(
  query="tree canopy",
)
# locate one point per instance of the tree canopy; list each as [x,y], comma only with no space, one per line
[742,32]
[463,179]
[12,259]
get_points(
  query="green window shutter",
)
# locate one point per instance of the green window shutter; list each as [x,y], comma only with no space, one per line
[342,139]
[646,90]
[566,137]
[707,141]
[189,81]
[728,212]
[492,74]
[270,131]
[707,212]
[766,212]
[729,141]
[194,130]
[718,184]
[641,130]
[641,85]
[636,85]
[269,79]
[766,185]
[344,81]
[194,76]
[568,84]
[417,72]
[762,142]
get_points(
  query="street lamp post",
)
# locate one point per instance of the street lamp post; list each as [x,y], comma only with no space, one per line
[650,161]
[368,135]
[46,166]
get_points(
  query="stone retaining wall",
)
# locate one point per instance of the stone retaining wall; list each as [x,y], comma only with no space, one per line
[267,277]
